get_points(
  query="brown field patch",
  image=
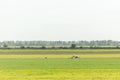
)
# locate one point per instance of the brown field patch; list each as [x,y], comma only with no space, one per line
[42,53]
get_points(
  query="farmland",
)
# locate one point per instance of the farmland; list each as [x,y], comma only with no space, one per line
[32,65]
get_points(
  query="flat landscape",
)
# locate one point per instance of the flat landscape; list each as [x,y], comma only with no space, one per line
[58,65]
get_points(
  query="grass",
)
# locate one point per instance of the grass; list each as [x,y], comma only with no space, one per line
[83,63]
[60,74]
[60,66]
[87,61]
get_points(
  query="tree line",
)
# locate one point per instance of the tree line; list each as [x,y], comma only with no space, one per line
[83,44]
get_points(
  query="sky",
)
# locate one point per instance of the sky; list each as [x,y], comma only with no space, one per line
[59,20]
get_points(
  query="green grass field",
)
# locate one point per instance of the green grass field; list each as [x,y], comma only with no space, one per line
[87,61]
[60,66]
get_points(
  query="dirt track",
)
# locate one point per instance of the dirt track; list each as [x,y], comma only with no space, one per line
[37,53]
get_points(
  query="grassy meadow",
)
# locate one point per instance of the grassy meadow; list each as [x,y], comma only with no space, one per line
[92,65]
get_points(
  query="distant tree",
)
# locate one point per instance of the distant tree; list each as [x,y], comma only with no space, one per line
[117,47]
[5,46]
[65,47]
[53,47]
[60,47]
[22,47]
[81,47]
[73,46]
[43,47]
[28,47]
[91,47]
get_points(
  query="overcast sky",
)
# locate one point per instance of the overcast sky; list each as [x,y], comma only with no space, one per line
[59,20]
